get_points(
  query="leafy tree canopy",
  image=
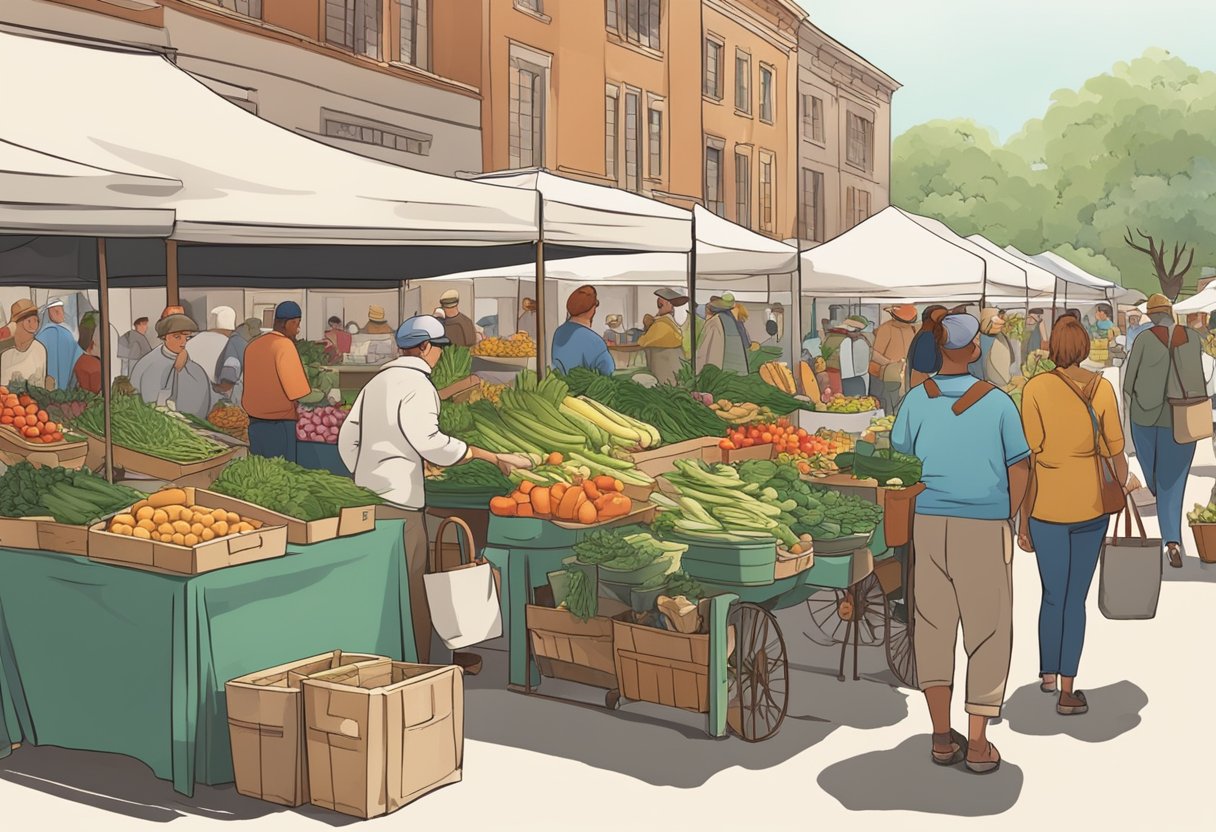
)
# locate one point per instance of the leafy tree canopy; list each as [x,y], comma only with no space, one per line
[1132,149]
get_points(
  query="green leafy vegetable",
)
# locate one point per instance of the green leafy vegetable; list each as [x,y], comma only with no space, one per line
[139,426]
[78,498]
[290,489]
[454,364]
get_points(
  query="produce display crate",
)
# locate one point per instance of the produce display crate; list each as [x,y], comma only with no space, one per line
[1205,541]
[788,565]
[266,727]
[578,651]
[658,461]
[14,449]
[661,666]
[349,522]
[812,421]
[763,451]
[729,564]
[196,474]
[262,543]
[843,545]
[44,533]
[460,391]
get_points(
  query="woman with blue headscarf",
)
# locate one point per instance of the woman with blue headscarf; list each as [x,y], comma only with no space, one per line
[62,348]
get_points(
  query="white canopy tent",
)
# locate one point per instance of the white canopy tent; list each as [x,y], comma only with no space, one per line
[1040,283]
[1076,284]
[1202,301]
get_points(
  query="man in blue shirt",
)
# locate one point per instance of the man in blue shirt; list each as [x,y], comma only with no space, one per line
[969,436]
[575,343]
[62,349]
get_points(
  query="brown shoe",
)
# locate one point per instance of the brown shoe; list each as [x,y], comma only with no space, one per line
[984,761]
[1072,704]
[949,749]
[470,663]
[1175,555]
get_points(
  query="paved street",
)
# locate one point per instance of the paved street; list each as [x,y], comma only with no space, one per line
[851,753]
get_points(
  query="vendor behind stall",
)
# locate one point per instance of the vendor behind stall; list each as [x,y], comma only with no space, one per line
[664,339]
[458,326]
[724,341]
[392,429]
[377,323]
[575,343]
[230,366]
[274,382]
[168,374]
[26,359]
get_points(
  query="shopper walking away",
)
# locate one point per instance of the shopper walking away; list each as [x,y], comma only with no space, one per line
[274,382]
[133,346]
[168,374]
[1078,478]
[925,355]
[664,340]
[26,359]
[888,365]
[724,341]
[62,350]
[392,429]
[1164,364]
[456,324]
[575,343]
[976,465]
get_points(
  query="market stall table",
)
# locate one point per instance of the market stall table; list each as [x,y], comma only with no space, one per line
[104,658]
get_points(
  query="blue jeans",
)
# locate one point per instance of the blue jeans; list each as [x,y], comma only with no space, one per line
[1067,554]
[273,438]
[854,386]
[1166,465]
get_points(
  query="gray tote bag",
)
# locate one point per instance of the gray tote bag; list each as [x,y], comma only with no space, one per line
[1129,583]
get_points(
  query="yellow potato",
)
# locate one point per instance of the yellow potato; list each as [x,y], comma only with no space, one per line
[160,516]
[220,528]
[181,527]
[122,529]
[207,535]
[165,528]
[166,538]
[191,540]
[207,520]
[219,514]
[146,525]
[145,513]
[233,517]
[124,520]
[179,539]
[141,533]
[138,507]
[196,529]
[175,513]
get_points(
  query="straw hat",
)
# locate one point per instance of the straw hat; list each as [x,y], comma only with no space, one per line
[449,298]
[375,314]
[21,310]
[1159,303]
[175,323]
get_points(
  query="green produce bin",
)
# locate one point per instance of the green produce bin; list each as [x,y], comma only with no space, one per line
[731,564]
[440,498]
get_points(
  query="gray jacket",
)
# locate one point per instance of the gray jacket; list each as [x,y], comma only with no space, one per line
[1150,382]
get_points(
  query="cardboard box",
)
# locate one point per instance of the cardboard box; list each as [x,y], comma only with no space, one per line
[197,474]
[266,727]
[14,449]
[460,391]
[578,651]
[661,666]
[658,461]
[350,521]
[382,734]
[45,534]
[764,451]
[262,543]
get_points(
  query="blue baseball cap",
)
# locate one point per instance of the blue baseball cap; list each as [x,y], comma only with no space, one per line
[287,310]
[420,329]
[960,330]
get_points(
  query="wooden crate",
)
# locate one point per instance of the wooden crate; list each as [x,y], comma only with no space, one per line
[661,666]
[574,650]
[14,449]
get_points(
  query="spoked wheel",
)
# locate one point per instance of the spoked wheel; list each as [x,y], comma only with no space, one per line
[901,654]
[832,609]
[758,673]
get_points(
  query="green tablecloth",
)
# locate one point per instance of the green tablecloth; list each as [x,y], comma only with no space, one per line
[104,658]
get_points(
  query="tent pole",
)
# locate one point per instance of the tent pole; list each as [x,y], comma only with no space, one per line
[172,294]
[401,301]
[541,306]
[103,302]
[692,291]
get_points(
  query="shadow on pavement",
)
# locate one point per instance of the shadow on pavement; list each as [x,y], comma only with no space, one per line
[1114,710]
[124,786]
[665,746]
[1193,571]
[904,779]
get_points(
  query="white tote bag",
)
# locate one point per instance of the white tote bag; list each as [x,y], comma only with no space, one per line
[464,600]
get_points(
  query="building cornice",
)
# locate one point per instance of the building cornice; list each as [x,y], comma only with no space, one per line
[783,36]
[830,53]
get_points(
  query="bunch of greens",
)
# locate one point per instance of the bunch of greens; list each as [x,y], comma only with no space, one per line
[611,548]
[681,583]
[477,475]
[77,498]
[287,488]
[723,384]
[454,364]
[671,410]
[140,426]
[455,419]
[581,601]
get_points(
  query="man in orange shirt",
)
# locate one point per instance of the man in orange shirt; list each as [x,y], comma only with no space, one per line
[274,382]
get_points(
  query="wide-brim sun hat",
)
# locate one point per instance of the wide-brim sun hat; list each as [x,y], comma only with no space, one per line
[175,323]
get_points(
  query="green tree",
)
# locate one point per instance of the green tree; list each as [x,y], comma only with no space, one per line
[1129,155]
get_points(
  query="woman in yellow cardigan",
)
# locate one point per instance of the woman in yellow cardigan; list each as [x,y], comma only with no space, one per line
[1071,420]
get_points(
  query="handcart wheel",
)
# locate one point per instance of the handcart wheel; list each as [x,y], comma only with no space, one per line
[612,699]
[832,609]
[757,672]
[901,653]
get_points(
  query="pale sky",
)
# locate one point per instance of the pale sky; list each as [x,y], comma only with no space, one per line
[999,61]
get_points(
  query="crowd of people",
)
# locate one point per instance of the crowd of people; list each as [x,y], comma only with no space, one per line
[1047,478]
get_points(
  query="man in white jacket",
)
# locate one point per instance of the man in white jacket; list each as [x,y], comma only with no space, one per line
[392,429]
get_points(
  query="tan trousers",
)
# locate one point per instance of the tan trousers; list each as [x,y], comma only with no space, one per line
[417,554]
[964,575]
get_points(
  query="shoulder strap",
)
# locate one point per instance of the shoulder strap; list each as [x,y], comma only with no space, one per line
[1087,398]
[931,388]
[972,397]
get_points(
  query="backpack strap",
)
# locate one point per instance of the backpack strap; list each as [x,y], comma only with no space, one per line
[931,388]
[969,399]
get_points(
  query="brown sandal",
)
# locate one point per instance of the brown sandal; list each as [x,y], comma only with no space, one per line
[951,758]
[1072,704]
[983,766]
[1174,552]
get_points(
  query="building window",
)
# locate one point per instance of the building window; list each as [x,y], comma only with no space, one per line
[531,5]
[713,180]
[633,137]
[713,69]
[812,118]
[766,94]
[529,81]
[743,190]
[611,103]
[366,131]
[766,193]
[249,8]
[857,206]
[654,161]
[354,25]
[637,21]
[743,82]
[811,209]
[414,28]
[860,150]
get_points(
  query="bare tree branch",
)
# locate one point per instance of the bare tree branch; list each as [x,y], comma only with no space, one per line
[1190,262]
[1177,257]
[1132,242]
